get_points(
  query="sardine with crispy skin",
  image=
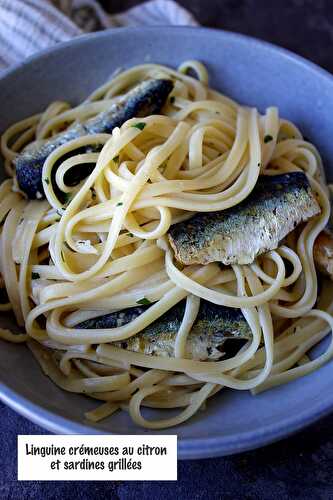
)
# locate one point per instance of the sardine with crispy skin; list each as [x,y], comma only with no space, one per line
[217,331]
[145,99]
[239,234]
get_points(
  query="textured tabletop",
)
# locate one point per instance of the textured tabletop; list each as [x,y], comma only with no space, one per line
[300,467]
[303,26]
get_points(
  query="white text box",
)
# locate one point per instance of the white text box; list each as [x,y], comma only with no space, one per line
[96,457]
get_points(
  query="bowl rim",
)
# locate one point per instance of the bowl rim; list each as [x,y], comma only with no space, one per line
[188,448]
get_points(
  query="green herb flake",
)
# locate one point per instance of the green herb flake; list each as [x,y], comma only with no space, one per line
[140,125]
[67,198]
[47,181]
[131,235]
[268,138]
[35,276]
[116,158]
[143,302]
[119,204]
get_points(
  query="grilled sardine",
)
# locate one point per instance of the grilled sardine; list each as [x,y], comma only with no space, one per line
[239,234]
[145,99]
[217,331]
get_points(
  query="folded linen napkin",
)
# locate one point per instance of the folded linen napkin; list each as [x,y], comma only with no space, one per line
[27,26]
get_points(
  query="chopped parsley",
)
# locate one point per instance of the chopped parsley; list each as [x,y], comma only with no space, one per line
[116,158]
[67,197]
[268,138]
[131,235]
[35,276]
[119,204]
[143,302]
[139,125]
[188,70]
[47,181]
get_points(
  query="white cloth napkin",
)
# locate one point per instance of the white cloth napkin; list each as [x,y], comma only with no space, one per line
[27,26]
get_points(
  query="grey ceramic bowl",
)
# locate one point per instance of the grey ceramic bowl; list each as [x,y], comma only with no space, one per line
[252,72]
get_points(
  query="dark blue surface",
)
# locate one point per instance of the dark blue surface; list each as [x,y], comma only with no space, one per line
[300,467]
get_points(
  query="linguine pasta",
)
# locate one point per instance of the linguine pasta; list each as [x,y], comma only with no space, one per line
[103,247]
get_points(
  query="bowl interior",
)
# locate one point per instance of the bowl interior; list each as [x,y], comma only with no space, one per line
[252,72]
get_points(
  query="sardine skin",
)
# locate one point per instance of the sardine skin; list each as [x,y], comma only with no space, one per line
[239,234]
[214,325]
[145,99]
